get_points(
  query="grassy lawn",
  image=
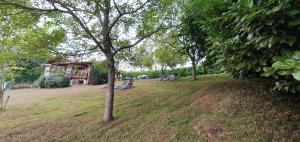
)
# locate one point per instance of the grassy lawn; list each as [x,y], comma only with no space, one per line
[213,108]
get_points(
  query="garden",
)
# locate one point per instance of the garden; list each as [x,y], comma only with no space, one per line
[149,70]
[213,108]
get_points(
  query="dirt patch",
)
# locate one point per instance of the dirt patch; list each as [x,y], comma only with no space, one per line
[171,132]
[210,131]
[80,114]
[72,106]
[206,99]
[158,132]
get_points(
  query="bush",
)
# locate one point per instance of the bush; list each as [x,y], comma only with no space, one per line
[180,72]
[98,74]
[260,40]
[41,82]
[31,71]
[53,81]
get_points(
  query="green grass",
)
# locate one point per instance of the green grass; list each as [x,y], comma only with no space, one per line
[213,108]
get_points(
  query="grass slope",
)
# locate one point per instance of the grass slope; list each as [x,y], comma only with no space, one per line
[214,108]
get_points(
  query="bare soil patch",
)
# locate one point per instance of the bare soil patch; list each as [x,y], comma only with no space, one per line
[209,130]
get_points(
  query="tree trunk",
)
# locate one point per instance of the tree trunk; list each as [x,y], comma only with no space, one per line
[194,70]
[108,111]
[109,100]
[1,97]
[162,71]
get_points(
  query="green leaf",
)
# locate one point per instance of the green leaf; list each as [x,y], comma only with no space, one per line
[296,55]
[296,75]
[240,66]
[284,72]
[251,3]
[281,65]
[286,53]
[291,41]
[268,71]
[294,23]
[274,9]
[262,62]
[293,12]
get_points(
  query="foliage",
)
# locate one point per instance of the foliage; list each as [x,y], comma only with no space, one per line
[24,44]
[267,35]
[103,26]
[148,61]
[31,71]
[40,82]
[167,56]
[98,74]
[180,72]
[192,36]
[255,39]
[141,56]
[53,81]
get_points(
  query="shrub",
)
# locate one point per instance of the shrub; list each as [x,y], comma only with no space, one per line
[65,82]
[98,74]
[153,74]
[180,72]
[31,71]
[41,82]
[53,81]
[257,39]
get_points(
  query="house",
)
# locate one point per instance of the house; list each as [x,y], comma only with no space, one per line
[78,72]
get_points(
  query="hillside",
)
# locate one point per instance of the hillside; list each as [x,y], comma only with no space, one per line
[213,108]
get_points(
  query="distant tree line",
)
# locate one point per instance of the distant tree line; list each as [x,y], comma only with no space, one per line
[179,72]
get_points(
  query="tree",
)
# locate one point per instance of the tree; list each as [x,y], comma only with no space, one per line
[167,56]
[192,42]
[148,61]
[16,42]
[140,57]
[98,74]
[190,39]
[31,71]
[184,42]
[102,21]
[42,41]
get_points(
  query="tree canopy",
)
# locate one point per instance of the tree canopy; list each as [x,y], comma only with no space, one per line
[106,26]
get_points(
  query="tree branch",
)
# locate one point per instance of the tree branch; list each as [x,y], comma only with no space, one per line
[5,3]
[116,20]
[55,9]
[82,24]
[138,41]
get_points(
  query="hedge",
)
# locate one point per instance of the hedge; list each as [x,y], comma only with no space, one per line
[53,81]
[180,72]
[98,73]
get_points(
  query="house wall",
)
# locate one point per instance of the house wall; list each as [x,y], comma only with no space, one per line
[47,68]
[68,69]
